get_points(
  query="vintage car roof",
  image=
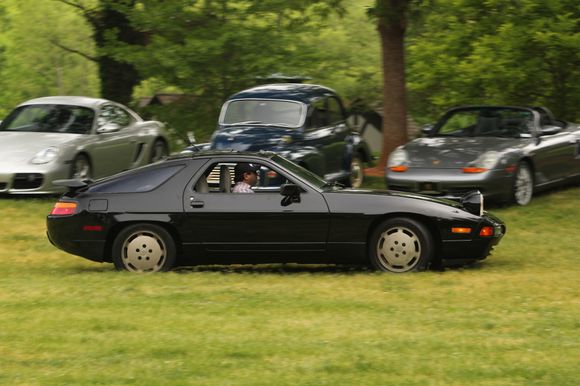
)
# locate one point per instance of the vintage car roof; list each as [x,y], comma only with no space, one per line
[67,100]
[289,91]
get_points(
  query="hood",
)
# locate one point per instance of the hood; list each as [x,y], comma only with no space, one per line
[393,193]
[448,152]
[22,147]
[252,138]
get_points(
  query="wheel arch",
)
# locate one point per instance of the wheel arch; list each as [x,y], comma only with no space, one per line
[428,222]
[85,154]
[118,227]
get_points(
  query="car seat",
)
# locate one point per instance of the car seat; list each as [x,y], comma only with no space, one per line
[225,179]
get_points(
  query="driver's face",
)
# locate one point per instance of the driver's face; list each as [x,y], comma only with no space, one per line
[251,178]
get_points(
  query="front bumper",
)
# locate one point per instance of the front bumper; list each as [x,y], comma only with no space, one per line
[451,183]
[474,247]
[33,179]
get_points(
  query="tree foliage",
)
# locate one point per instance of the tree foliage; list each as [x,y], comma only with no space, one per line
[33,64]
[518,52]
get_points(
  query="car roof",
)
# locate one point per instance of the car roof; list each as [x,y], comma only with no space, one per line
[215,154]
[68,100]
[304,93]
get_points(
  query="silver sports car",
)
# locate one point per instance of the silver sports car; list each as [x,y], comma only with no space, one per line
[505,152]
[63,137]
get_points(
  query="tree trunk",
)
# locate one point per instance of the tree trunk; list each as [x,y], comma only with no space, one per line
[391,27]
[118,78]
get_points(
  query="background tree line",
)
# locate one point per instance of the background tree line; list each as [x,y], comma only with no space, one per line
[455,52]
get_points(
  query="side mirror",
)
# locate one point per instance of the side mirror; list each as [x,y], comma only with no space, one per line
[427,129]
[108,128]
[291,194]
[550,130]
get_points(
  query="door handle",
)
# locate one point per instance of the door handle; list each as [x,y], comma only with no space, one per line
[195,203]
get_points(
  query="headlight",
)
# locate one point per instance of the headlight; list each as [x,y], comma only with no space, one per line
[483,163]
[397,158]
[45,156]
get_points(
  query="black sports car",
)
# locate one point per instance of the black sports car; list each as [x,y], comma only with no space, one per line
[170,213]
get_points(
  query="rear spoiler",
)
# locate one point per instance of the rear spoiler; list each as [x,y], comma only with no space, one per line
[73,185]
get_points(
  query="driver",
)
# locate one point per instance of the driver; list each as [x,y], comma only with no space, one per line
[246,176]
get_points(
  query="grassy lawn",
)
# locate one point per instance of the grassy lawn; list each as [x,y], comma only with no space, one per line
[511,320]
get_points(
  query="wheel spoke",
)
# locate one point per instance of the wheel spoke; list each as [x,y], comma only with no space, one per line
[399,249]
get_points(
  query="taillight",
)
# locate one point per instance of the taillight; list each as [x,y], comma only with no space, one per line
[64,208]
[474,170]
[486,232]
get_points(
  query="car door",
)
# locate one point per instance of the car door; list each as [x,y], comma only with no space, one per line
[337,149]
[556,156]
[250,226]
[115,147]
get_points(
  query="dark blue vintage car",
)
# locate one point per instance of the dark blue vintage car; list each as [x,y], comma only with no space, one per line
[305,123]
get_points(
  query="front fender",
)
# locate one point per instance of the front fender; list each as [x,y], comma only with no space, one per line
[308,156]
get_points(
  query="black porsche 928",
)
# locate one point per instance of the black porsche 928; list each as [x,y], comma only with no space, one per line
[182,211]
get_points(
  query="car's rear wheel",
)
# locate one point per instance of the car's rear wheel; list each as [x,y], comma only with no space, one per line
[523,188]
[159,151]
[144,248]
[401,245]
[81,168]
[356,172]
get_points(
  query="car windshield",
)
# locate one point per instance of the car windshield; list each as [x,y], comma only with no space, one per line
[304,174]
[49,119]
[487,122]
[263,112]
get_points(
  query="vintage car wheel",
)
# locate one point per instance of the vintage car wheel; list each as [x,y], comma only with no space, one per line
[144,248]
[523,188]
[356,172]
[159,151]
[81,168]
[401,245]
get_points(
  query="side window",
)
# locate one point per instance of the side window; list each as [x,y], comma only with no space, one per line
[140,181]
[319,116]
[111,114]
[220,178]
[335,113]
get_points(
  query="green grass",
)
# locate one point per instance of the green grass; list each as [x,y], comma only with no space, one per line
[513,319]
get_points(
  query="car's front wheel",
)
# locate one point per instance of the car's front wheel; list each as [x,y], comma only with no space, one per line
[523,187]
[81,168]
[144,248]
[401,245]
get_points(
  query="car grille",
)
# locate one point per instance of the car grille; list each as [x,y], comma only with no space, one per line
[27,180]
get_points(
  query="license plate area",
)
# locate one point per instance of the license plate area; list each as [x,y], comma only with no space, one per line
[429,187]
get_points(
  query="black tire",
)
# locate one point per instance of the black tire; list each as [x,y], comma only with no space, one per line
[144,248]
[401,245]
[159,151]
[81,168]
[523,184]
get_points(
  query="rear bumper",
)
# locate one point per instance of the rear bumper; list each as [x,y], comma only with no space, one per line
[63,233]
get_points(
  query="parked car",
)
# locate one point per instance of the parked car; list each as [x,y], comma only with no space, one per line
[62,137]
[305,123]
[167,214]
[507,153]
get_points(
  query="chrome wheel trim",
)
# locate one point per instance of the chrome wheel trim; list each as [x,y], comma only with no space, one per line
[143,251]
[356,173]
[398,249]
[81,169]
[159,152]
[523,189]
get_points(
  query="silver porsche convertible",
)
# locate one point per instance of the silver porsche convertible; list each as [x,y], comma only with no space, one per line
[63,137]
[507,153]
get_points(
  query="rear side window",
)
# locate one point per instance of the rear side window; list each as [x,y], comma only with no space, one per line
[142,181]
